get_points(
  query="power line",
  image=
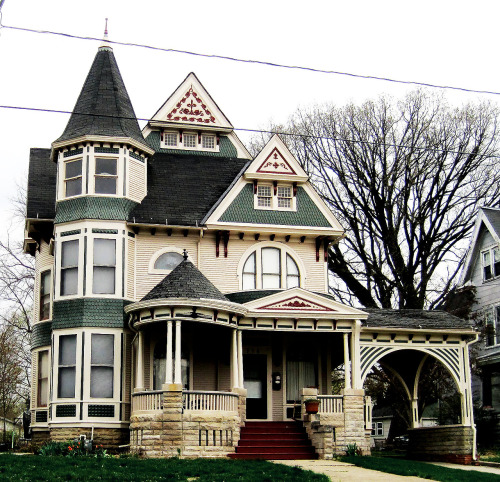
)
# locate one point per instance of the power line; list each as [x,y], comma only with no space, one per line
[256,131]
[257,62]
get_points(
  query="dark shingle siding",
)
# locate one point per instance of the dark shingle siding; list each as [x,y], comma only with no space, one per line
[40,336]
[183,188]
[41,195]
[90,312]
[107,208]
[103,106]
[242,210]
[185,281]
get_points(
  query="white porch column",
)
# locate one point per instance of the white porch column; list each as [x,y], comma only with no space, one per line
[414,413]
[168,361]
[466,395]
[240,359]
[347,362]
[178,375]
[140,363]
[355,356]
[234,360]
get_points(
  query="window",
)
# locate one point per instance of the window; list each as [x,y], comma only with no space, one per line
[270,268]
[101,366]
[45,295]
[491,263]
[69,267]
[208,142]
[43,378]
[168,261]
[103,280]
[377,429]
[277,197]
[105,176]
[492,326]
[73,178]
[67,366]
[189,140]
[170,139]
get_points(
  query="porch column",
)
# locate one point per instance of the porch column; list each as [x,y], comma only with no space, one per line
[168,360]
[355,356]
[234,360]
[240,359]
[140,362]
[414,413]
[177,375]
[347,362]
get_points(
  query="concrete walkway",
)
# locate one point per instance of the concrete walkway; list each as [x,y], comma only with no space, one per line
[342,471]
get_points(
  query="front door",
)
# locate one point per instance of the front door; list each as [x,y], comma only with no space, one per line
[255,377]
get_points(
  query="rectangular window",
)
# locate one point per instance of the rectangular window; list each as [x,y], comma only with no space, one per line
[284,197]
[377,428]
[496,261]
[69,267]
[43,378]
[271,268]
[491,263]
[73,178]
[208,142]
[489,326]
[103,281]
[67,366]
[264,196]
[45,295]
[170,139]
[105,176]
[189,140]
[101,366]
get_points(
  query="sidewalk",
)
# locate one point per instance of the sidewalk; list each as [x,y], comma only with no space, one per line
[342,471]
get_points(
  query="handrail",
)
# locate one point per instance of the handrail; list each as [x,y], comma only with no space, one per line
[331,403]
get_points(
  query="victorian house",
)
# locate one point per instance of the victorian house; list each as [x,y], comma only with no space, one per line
[182,301]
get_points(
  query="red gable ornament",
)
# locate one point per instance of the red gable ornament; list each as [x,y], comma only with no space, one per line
[191,109]
[275,163]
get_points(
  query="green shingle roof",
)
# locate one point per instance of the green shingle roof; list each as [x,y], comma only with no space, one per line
[93,208]
[40,336]
[242,210]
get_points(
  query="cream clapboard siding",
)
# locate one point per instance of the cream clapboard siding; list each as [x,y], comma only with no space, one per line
[136,180]
[147,246]
[223,272]
[224,377]
[204,367]
[34,379]
[130,282]
[43,261]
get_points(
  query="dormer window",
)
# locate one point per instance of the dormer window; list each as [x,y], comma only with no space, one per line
[170,139]
[105,176]
[189,141]
[277,197]
[208,141]
[491,263]
[73,178]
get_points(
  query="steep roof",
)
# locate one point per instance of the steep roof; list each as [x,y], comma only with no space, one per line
[41,195]
[183,188]
[103,107]
[493,216]
[185,281]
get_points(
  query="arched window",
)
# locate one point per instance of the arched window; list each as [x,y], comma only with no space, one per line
[270,268]
[168,261]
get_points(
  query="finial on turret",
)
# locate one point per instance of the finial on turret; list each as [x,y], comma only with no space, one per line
[105,43]
[185,254]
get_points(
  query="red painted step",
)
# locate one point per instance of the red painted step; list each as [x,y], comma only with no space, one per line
[275,441]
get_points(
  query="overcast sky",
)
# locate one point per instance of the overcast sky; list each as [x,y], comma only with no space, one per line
[439,42]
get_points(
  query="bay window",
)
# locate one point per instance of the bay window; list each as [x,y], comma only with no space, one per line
[43,379]
[69,267]
[66,366]
[106,175]
[104,266]
[44,306]
[73,178]
[102,365]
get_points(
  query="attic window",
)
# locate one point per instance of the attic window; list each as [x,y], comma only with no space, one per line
[277,197]
[189,140]
[171,139]
[208,141]
[167,261]
[491,263]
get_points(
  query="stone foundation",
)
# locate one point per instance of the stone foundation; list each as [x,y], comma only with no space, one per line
[447,443]
[39,438]
[109,438]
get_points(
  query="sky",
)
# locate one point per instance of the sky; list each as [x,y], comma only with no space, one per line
[452,43]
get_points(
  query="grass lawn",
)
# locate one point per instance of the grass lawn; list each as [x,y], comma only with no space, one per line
[59,468]
[419,469]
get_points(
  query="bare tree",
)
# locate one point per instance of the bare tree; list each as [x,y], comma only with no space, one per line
[405,179]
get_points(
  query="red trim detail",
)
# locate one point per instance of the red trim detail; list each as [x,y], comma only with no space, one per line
[275,163]
[217,242]
[296,303]
[193,111]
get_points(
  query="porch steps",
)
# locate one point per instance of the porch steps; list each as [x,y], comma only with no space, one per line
[274,441]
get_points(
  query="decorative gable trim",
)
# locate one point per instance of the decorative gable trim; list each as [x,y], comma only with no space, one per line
[296,303]
[191,109]
[275,163]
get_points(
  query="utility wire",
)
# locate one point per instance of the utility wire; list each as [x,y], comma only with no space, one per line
[256,131]
[257,62]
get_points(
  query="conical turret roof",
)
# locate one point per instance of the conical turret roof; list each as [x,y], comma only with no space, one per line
[103,107]
[185,281]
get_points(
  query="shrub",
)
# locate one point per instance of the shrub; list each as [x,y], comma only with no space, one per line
[74,448]
[352,450]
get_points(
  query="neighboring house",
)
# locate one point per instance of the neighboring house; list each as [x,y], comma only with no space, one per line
[11,425]
[482,270]
[181,288]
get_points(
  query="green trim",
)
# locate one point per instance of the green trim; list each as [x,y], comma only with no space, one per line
[104,231]
[74,152]
[106,150]
[226,147]
[107,208]
[71,233]
[101,411]
[242,210]
[66,411]
[133,155]
[89,312]
[40,335]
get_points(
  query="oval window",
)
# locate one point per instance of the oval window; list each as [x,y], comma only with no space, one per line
[168,261]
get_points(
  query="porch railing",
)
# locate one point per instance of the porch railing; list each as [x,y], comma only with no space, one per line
[331,403]
[202,400]
[151,401]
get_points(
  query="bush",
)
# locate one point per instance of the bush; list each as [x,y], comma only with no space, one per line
[73,448]
[352,450]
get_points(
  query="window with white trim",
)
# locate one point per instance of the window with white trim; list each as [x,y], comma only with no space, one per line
[69,267]
[45,285]
[274,197]
[189,140]
[43,379]
[170,139]
[102,365]
[284,196]
[270,268]
[492,326]
[73,178]
[264,196]
[168,261]
[377,429]
[104,272]
[106,175]
[491,263]
[208,141]
[66,382]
